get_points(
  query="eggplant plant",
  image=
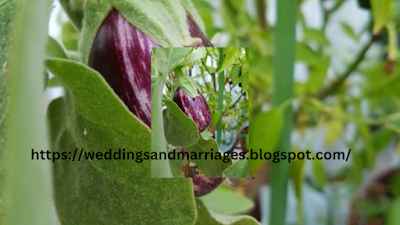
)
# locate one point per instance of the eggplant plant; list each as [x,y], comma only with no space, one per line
[107,104]
[188,120]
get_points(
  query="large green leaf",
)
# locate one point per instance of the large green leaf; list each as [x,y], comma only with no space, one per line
[99,121]
[87,194]
[179,129]
[225,201]
[209,167]
[207,217]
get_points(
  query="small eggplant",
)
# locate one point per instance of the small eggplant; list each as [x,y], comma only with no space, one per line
[122,55]
[196,109]
[203,185]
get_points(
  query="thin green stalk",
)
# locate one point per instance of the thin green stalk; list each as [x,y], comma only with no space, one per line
[220,95]
[284,58]
[334,86]
[159,168]
[28,188]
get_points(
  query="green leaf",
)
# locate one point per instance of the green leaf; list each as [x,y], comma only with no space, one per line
[83,190]
[178,55]
[265,131]
[179,129]
[225,201]
[237,170]
[211,168]
[70,36]
[245,66]
[232,56]
[316,35]
[162,57]
[243,78]
[194,56]
[234,73]
[382,11]
[349,31]
[215,118]
[206,134]
[318,73]
[207,217]
[186,83]
[212,52]
[54,49]
[90,106]
[306,54]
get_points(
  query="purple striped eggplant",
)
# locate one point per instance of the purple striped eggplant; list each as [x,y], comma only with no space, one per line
[196,109]
[203,185]
[122,55]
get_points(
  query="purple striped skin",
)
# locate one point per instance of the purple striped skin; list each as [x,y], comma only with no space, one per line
[196,109]
[195,31]
[203,185]
[122,55]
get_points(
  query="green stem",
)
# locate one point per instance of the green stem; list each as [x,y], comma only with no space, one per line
[342,78]
[28,188]
[159,168]
[328,13]
[236,102]
[220,95]
[284,48]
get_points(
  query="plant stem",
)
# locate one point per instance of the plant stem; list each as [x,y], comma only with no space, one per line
[329,12]
[212,74]
[284,58]
[159,168]
[28,187]
[261,7]
[342,78]
[234,104]
[220,95]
